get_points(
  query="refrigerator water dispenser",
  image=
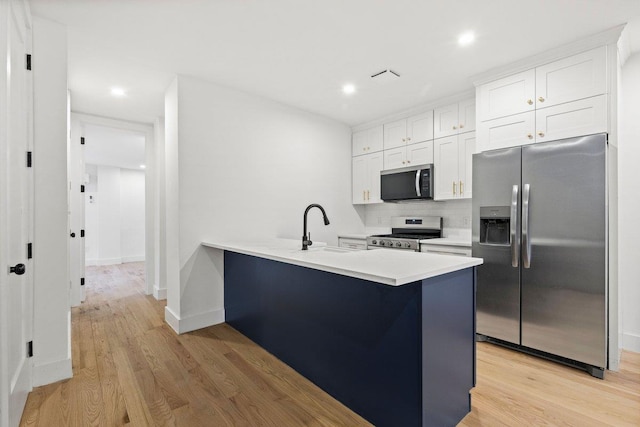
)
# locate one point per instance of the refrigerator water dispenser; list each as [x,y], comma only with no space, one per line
[494,225]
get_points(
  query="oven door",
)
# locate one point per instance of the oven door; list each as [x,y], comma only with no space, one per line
[411,183]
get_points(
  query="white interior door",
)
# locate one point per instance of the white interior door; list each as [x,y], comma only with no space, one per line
[16,287]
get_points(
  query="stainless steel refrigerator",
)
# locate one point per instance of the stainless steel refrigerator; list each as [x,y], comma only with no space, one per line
[540,223]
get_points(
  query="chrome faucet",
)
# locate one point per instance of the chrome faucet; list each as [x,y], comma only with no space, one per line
[306,237]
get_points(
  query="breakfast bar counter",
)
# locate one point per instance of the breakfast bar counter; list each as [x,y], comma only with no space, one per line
[390,334]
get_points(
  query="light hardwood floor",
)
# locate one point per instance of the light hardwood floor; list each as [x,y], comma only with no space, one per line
[130,368]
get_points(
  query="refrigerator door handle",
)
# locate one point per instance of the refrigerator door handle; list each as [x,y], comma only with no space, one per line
[515,248]
[526,238]
[418,183]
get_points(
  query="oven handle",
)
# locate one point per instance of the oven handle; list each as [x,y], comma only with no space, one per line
[418,183]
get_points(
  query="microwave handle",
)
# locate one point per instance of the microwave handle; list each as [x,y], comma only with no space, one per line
[418,183]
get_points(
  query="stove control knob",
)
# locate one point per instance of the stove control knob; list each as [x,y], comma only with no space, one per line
[407,245]
[374,242]
[390,244]
[398,244]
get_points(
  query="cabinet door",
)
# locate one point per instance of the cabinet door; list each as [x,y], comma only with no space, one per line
[466,149]
[359,178]
[374,166]
[510,131]
[467,116]
[570,79]
[359,143]
[584,117]
[420,128]
[420,154]
[395,134]
[375,138]
[445,121]
[395,158]
[445,164]
[505,97]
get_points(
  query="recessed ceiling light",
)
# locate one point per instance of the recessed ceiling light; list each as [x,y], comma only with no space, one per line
[118,91]
[142,166]
[466,38]
[348,89]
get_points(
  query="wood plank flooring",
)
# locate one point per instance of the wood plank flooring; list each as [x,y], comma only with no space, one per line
[131,369]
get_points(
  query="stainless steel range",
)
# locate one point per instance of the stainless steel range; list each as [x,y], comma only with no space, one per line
[406,233]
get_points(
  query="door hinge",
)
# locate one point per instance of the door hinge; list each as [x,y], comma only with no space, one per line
[81,233]
[30,349]
[29,250]
[82,140]
[29,159]
[82,281]
[82,188]
[28,64]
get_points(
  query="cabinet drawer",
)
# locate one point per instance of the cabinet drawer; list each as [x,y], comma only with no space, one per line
[445,250]
[577,118]
[510,131]
[360,244]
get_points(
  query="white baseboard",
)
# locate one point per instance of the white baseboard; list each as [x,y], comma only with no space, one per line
[138,258]
[631,342]
[192,323]
[158,293]
[52,372]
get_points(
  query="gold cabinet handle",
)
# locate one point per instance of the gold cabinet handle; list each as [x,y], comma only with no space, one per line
[461,189]
[364,196]
[455,127]
[529,136]
[367,194]
[530,101]
[409,138]
[541,99]
[408,161]
[404,139]
[454,188]
[403,162]
[541,134]
[461,126]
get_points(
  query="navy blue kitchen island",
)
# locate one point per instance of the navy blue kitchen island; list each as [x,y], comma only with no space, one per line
[400,355]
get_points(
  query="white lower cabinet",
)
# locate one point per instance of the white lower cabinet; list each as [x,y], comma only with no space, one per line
[352,243]
[413,154]
[366,178]
[452,166]
[445,249]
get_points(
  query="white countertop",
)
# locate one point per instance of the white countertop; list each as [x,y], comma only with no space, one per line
[386,266]
[448,241]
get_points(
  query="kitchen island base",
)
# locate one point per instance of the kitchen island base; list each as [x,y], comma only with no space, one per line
[396,355]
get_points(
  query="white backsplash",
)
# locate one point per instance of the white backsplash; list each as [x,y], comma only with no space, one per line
[456,215]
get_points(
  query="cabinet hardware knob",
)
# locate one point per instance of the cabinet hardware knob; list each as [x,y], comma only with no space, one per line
[461,189]
[408,161]
[404,139]
[403,162]
[541,99]
[455,127]
[530,101]
[367,194]
[461,126]
[529,136]
[541,134]
[408,138]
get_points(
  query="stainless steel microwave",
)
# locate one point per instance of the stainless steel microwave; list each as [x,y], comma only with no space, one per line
[411,183]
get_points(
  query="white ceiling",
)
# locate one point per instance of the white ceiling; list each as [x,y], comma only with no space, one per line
[113,147]
[301,52]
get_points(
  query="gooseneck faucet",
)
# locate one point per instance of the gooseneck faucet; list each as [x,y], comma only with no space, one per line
[306,237]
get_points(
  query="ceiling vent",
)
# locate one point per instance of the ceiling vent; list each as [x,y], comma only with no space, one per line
[385,76]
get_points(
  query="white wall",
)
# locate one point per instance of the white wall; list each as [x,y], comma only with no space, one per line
[115,215]
[52,316]
[629,203]
[248,168]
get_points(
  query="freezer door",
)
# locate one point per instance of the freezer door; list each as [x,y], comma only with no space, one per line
[496,189]
[563,262]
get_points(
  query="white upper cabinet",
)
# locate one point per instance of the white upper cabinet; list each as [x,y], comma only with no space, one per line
[412,154]
[365,179]
[511,95]
[573,78]
[420,128]
[414,129]
[454,119]
[452,166]
[562,99]
[395,134]
[367,141]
